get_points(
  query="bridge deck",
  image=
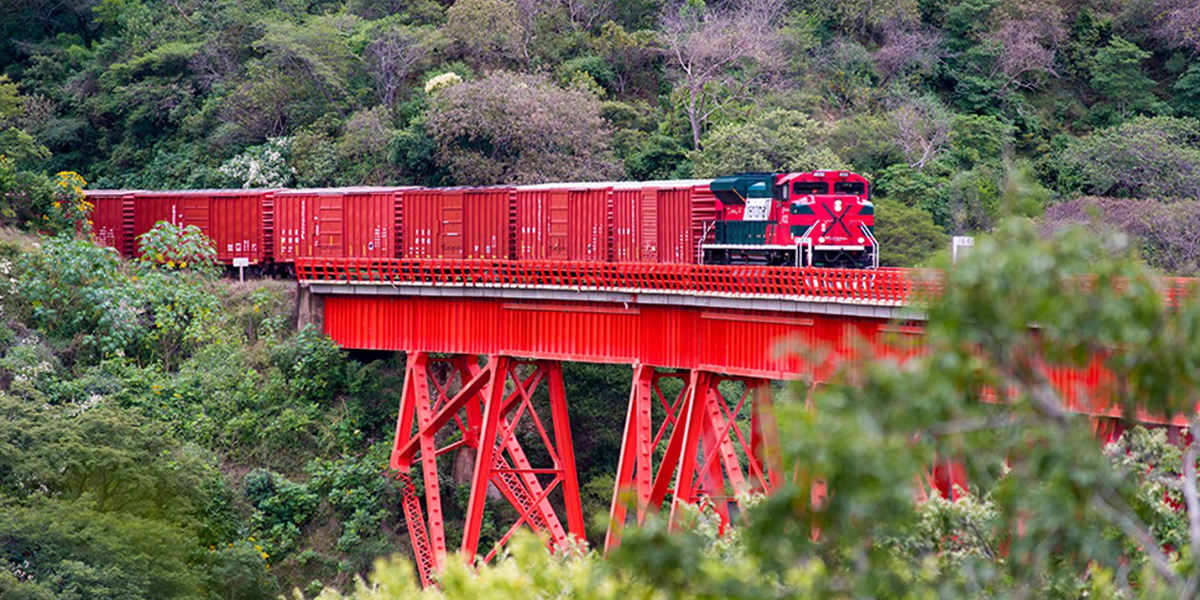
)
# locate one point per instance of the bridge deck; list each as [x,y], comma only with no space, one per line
[806,286]
[884,287]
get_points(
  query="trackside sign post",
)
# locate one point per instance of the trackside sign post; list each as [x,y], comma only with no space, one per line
[960,247]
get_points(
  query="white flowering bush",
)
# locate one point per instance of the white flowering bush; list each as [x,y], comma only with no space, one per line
[444,80]
[262,166]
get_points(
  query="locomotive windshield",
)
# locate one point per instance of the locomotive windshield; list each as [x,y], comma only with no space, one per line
[849,187]
[803,188]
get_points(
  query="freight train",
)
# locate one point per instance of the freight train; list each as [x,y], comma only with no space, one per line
[819,218]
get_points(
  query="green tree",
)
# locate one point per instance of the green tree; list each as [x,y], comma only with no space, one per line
[919,189]
[1143,157]
[487,33]
[907,236]
[97,503]
[777,140]
[508,128]
[1187,92]
[1117,75]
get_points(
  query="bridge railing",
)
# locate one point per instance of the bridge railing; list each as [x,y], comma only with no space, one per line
[887,287]
[884,287]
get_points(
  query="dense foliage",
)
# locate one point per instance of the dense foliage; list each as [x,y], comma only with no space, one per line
[151,402]
[168,434]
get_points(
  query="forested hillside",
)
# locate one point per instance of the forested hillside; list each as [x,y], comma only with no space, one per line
[948,105]
[166,433]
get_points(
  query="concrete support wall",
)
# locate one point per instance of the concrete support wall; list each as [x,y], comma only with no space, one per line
[310,307]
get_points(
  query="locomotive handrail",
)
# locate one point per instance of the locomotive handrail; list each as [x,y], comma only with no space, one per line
[885,287]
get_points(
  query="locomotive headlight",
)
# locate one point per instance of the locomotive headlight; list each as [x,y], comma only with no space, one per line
[861,240]
[837,205]
[821,239]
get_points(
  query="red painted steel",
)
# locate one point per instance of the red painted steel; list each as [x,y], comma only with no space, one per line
[236,226]
[369,221]
[626,225]
[487,406]
[649,224]
[587,224]
[702,436]
[486,222]
[233,219]
[704,213]
[728,341]
[558,226]
[112,219]
[533,223]
[676,242]
[710,448]
[177,208]
[329,226]
[758,344]
[433,223]
[294,220]
[882,287]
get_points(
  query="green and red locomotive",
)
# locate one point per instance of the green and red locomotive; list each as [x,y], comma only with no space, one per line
[814,219]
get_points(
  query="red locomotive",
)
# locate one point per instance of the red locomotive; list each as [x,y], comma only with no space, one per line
[818,219]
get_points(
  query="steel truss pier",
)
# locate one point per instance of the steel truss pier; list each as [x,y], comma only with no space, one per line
[507,417]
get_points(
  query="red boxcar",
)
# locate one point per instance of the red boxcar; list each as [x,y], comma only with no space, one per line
[232,218]
[563,221]
[657,221]
[587,223]
[433,223]
[669,220]
[678,219]
[357,222]
[627,204]
[487,218]
[112,218]
[542,218]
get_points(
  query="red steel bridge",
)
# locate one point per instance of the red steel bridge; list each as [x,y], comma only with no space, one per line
[485,341]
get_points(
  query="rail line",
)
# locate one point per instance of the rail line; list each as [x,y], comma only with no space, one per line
[885,287]
[882,287]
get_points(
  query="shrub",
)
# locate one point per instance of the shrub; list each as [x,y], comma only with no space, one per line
[173,247]
[314,365]
[281,508]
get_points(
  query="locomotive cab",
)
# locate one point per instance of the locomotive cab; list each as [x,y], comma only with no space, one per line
[818,219]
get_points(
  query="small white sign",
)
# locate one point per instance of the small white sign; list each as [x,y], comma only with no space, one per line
[959,247]
[241,262]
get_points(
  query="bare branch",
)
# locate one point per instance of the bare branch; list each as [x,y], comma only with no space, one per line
[923,130]
[392,58]
[904,48]
[1138,532]
[721,54]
